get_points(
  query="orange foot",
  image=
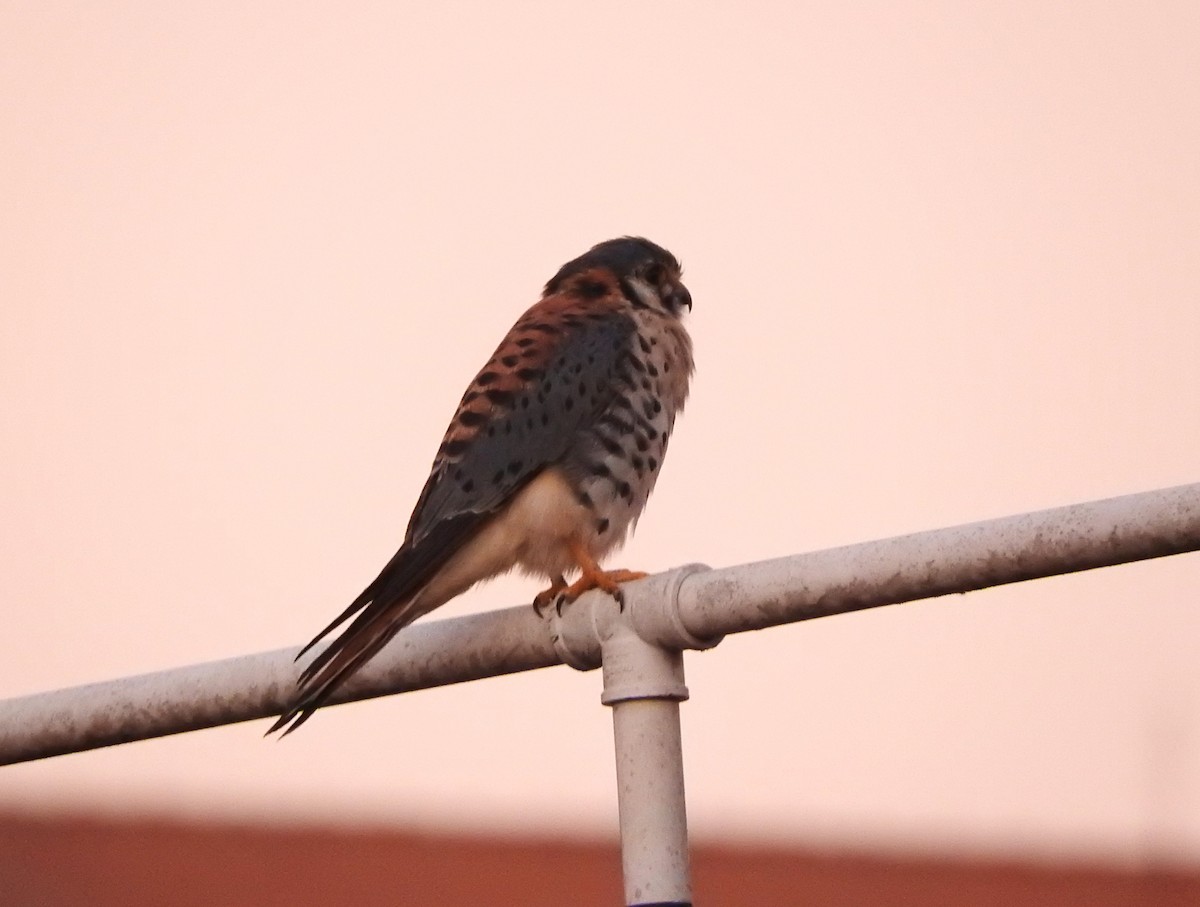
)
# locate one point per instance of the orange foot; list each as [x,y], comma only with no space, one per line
[543,599]
[607,580]
[592,577]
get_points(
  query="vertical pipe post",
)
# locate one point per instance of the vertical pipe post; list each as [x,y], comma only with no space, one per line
[643,684]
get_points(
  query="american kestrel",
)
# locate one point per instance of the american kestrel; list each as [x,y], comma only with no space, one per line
[548,461]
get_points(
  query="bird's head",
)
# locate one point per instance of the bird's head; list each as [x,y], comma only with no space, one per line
[648,275]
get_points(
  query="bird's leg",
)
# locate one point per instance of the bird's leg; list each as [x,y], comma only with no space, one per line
[543,599]
[594,578]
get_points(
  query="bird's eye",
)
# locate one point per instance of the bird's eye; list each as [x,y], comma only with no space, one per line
[653,274]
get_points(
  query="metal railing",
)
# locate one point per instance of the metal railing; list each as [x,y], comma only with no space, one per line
[639,647]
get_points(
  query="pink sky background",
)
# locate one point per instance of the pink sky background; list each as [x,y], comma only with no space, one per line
[946,266]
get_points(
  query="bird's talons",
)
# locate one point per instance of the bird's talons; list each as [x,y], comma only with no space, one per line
[543,599]
[560,594]
[608,581]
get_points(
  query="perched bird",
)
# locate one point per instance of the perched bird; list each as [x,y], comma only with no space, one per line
[548,461]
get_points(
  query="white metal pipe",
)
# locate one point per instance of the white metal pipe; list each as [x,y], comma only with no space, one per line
[650,803]
[435,653]
[690,608]
[644,685]
[942,561]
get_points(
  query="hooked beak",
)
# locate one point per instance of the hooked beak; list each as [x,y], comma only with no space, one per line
[679,297]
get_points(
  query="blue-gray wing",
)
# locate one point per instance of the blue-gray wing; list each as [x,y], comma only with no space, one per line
[555,372]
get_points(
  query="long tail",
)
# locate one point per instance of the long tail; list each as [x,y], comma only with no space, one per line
[387,606]
[360,642]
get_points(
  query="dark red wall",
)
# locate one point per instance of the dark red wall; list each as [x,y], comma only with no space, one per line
[53,862]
